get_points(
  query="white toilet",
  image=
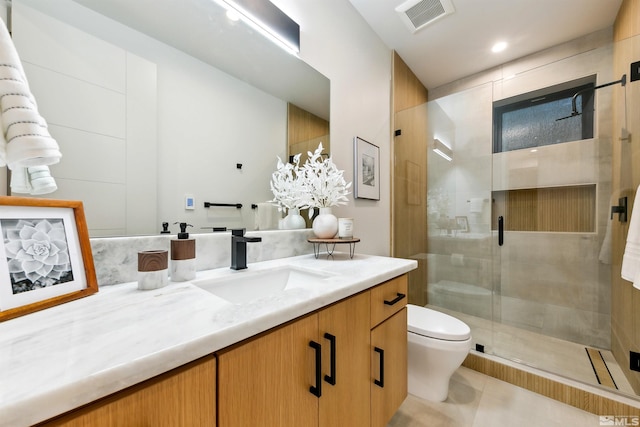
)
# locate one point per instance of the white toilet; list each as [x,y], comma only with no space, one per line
[438,344]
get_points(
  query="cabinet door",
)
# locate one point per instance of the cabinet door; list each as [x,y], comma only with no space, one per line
[388,368]
[266,381]
[345,327]
[182,397]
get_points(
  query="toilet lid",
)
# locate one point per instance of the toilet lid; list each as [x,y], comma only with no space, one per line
[434,324]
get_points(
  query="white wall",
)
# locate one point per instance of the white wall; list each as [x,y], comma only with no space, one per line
[336,41]
[100,103]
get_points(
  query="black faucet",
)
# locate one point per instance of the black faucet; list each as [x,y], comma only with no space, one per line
[239,248]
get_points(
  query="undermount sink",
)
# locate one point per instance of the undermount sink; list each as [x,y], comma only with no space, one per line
[245,286]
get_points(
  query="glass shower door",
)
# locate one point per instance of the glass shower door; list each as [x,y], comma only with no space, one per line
[462,248]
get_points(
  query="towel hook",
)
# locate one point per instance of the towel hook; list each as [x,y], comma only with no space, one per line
[621,209]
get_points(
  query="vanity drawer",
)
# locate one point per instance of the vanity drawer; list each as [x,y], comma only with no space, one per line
[387,299]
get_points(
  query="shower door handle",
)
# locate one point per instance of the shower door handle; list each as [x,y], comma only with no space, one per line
[500,230]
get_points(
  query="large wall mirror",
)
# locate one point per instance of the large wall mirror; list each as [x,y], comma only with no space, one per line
[156,102]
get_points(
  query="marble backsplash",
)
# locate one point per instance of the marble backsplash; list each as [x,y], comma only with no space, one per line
[116,258]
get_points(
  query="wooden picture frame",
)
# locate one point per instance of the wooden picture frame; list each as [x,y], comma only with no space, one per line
[45,255]
[366,169]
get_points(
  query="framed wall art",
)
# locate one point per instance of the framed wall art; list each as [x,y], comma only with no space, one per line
[462,224]
[45,255]
[366,169]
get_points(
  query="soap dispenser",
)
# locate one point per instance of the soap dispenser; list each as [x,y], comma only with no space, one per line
[183,256]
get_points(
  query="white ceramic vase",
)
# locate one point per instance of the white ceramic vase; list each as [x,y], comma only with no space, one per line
[293,220]
[325,225]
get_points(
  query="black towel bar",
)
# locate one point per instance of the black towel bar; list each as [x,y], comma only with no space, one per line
[229,205]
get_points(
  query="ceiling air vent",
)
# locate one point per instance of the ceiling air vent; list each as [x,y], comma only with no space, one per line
[417,14]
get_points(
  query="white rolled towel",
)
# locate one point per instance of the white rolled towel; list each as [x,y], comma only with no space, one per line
[10,72]
[14,100]
[36,180]
[605,249]
[3,150]
[23,129]
[631,258]
[28,142]
[267,216]
[476,205]
[41,180]
[20,181]
[19,111]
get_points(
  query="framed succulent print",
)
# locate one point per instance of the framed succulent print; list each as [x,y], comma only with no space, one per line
[45,255]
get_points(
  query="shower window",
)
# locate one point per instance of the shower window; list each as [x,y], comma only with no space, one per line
[531,120]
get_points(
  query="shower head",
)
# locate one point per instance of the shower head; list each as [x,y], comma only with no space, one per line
[574,108]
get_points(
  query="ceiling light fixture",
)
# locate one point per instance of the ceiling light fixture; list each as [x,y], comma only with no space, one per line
[268,20]
[499,47]
[442,149]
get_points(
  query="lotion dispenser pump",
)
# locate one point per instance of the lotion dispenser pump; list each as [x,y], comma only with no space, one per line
[183,256]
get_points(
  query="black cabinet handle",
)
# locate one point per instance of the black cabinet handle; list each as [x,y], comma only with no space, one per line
[500,230]
[317,389]
[331,379]
[380,382]
[396,299]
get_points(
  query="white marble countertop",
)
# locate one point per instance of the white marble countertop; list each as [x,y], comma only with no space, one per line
[58,359]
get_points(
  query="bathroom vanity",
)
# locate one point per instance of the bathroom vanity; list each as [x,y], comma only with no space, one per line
[327,349]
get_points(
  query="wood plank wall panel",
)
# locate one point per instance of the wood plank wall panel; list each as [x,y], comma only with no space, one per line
[409,214]
[304,131]
[554,209]
[627,22]
[625,300]
[408,91]
[564,393]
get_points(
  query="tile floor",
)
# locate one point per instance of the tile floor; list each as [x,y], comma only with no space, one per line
[477,400]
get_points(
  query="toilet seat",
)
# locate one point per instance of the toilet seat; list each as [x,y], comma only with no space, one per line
[434,324]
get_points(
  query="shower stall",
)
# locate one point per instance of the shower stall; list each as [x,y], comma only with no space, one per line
[518,240]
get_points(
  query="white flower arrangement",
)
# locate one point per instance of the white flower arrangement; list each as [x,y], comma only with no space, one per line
[318,183]
[287,186]
[325,183]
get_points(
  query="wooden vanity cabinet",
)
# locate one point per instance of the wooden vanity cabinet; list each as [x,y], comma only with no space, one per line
[343,365]
[268,380]
[183,397]
[265,381]
[347,402]
[389,349]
